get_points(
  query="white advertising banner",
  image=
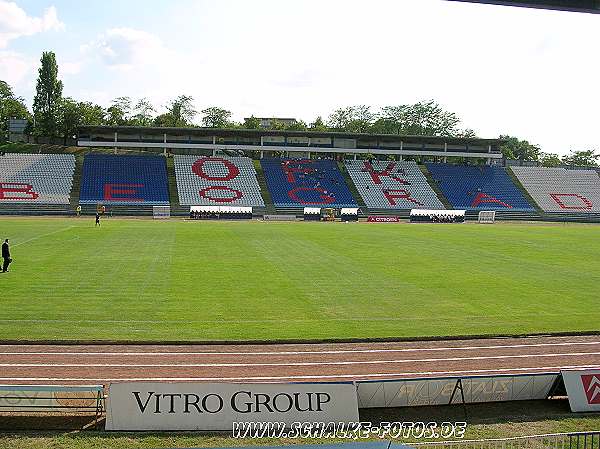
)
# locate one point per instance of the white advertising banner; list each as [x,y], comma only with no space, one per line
[583,389]
[418,392]
[216,406]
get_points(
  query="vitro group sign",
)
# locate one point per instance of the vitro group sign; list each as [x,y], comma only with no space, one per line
[201,406]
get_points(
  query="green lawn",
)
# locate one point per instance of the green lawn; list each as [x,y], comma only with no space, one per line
[181,280]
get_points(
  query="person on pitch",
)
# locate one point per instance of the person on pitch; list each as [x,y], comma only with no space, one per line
[97,219]
[5,256]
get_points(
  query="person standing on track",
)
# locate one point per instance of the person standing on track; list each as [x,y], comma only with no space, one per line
[97,219]
[5,256]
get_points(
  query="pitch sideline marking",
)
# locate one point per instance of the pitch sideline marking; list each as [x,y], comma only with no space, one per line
[43,235]
[341,351]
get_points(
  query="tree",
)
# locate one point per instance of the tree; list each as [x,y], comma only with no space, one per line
[583,158]
[119,112]
[74,114]
[48,96]
[513,148]
[91,114]
[355,119]
[215,117]
[142,113]
[180,113]
[426,118]
[69,118]
[251,123]
[10,107]
[298,125]
[318,125]
[549,160]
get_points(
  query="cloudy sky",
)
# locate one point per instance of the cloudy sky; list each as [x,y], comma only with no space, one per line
[530,73]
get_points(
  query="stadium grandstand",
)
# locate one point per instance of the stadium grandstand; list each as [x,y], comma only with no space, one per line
[478,187]
[392,185]
[124,180]
[36,178]
[282,172]
[217,181]
[561,190]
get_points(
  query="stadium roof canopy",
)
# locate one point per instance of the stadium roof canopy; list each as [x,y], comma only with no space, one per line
[588,6]
[191,140]
[233,132]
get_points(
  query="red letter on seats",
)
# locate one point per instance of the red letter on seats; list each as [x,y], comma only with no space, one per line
[289,171]
[483,198]
[17,191]
[237,194]
[326,198]
[124,192]
[232,170]
[392,195]
[376,175]
[557,198]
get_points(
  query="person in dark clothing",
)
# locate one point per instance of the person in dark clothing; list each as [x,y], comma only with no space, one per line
[5,256]
[97,219]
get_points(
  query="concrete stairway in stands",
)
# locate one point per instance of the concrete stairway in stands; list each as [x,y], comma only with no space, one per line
[264,191]
[176,208]
[355,194]
[74,197]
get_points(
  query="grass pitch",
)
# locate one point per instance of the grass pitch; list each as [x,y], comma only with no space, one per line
[183,280]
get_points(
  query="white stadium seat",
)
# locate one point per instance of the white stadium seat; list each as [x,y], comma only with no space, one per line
[561,190]
[392,185]
[219,180]
[36,178]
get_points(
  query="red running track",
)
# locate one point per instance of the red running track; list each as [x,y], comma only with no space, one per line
[102,364]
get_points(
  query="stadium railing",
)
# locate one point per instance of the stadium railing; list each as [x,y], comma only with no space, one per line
[44,399]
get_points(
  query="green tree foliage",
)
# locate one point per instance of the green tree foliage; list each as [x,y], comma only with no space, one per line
[318,125]
[46,103]
[549,160]
[426,118]
[215,117]
[119,112]
[73,114]
[298,125]
[251,123]
[10,107]
[354,119]
[514,148]
[180,113]
[91,114]
[583,158]
[142,113]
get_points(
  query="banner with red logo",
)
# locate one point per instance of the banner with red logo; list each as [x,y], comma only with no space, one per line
[583,389]
[383,219]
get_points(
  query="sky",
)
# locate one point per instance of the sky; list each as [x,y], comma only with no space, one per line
[529,73]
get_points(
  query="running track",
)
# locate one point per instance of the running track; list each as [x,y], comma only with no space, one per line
[102,364]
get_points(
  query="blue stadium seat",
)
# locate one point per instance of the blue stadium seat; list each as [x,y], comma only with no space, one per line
[124,180]
[306,182]
[481,187]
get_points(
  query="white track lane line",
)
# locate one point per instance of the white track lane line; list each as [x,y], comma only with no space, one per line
[241,365]
[341,351]
[401,376]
